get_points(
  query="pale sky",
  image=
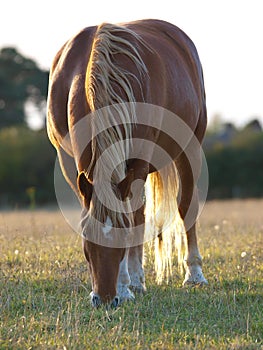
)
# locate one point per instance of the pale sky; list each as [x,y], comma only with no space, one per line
[228,35]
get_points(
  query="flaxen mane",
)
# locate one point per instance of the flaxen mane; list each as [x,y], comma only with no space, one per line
[109,85]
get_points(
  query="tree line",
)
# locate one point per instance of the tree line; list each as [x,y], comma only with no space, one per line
[235,161]
[234,156]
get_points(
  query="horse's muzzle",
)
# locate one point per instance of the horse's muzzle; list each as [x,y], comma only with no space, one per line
[96,301]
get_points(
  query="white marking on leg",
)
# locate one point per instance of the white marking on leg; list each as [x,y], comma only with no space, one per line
[136,272]
[124,281]
[194,274]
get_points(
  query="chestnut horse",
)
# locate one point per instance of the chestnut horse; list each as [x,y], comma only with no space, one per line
[119,95]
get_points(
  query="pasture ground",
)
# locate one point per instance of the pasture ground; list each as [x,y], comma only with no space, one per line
[44,291]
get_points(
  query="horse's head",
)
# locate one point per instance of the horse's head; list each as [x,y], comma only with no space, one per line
[103,253]
[104,267]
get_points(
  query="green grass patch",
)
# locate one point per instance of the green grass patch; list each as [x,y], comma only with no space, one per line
[44,302]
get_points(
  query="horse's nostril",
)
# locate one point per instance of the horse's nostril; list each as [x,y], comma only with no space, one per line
[115,302]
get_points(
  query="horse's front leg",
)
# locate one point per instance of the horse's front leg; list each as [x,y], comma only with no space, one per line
[131,273]
[132,188]
[135,263]
[124,281]
[136,271]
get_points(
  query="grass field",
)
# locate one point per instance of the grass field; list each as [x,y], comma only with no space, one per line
[45,289]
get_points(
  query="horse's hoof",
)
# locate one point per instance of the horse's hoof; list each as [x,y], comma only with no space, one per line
[95,300]
[189,284]
[195,281]
[115,303]
[125,294]
[138,289]
[194,276]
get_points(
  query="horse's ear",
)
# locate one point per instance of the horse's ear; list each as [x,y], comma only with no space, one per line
[84,186]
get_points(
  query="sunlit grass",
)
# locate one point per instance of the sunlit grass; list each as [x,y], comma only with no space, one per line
[45,289]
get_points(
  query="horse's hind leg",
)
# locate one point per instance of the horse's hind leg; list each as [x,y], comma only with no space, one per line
[188,208]
[193,260]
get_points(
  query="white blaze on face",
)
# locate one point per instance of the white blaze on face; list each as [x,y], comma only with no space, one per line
[107,227]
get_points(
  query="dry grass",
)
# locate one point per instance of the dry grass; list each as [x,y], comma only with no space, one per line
[44,289]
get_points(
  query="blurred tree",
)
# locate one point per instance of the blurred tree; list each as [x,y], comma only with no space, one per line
[215,124]
[21,82]
[27,167]
[236,167]
[254,126]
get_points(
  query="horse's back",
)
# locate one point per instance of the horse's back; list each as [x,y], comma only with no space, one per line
[179,68]
[174,80]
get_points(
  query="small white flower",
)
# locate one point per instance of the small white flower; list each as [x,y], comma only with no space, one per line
[243,254]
